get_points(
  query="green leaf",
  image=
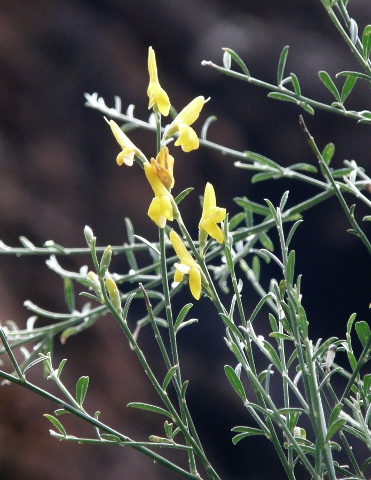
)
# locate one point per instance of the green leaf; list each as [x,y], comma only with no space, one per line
[69,294]
[125,310]
[348,87]
[266,242]
[353,30]
[228,322]
[169,377]
[56,423]
[329,84]
[323,348]
[150,408]
[256,267]
[290,267]
[246,432]
[81,389]
[367,384]
[238,60]
[295,83]
[257,158]
[281,65]
[236,220]
[252,206]
[335,427]
[282,96]
[306,167]
[282,336]
[352,360]
[335,413]
[292,231]
[227,60]
[308,108]
[182,195]
[328,153]
[60,368]
[181,316]
[363,332]
[261,177]
[272,355]
[341,172]
[235,382]
[366,42]
[348,73]
[350,323]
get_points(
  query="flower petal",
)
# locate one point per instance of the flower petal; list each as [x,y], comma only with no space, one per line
[191,112]
[195,282]
[157,95]
[184,256]
[187,139]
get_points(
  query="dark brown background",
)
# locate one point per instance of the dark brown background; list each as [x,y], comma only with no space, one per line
[58,173]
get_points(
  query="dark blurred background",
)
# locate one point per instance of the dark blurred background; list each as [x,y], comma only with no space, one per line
[58,173]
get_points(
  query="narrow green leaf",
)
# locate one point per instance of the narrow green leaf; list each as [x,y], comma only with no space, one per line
[366,464]
[292,231]
[183,194]
[348,73]
[282,96]
[353,30]
[308,108]
[81,389]
[348,87]
[150,408]
[110,437]
[352,360]
[228,322]
[227,59]
[335,413]
[323,348]
[290,267]
[266,241]
[363,332]
[281,65]
[257,158]
[282,336]
[273,323]
[56,423]
[350,323]
[235,382]
[169,377]
[150,245]
[328,153]
[238,60]
[290,410]
[306,167]
[272,355]
[256,267]
[181,316]
[341,172]
[261,177]
[366,42]
[252,206]
[295,83]
[125,310]
[283,201]
[329,84]
[60,368]
[69,296]
[367,384]
[335,427]
[251,432]
[236,220]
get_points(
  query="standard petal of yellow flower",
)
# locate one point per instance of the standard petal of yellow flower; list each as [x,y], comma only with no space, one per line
[190,113]
[188,266]
[187,139]
[211,215]
[157,95]
[128,147]
[164,164]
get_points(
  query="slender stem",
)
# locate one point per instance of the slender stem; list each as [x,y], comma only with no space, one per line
[96,423]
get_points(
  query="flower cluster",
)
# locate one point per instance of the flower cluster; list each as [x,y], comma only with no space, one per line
[159,173]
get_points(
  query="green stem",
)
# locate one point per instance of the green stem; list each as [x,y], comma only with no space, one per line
[96,423]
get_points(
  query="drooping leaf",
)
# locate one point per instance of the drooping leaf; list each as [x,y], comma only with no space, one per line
[81,389]
[281,64]
[56,423]
[329,84]
[150,408]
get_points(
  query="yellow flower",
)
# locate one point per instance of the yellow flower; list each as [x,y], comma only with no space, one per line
[128,147]
[159,173]
[157,95]
[188,266]
[181,124]
[211,215]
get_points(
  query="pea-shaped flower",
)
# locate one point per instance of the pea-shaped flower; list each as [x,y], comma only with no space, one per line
[181,124]
[211,215]
[188,266]
[159,173]
[157,95]
[128,147]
